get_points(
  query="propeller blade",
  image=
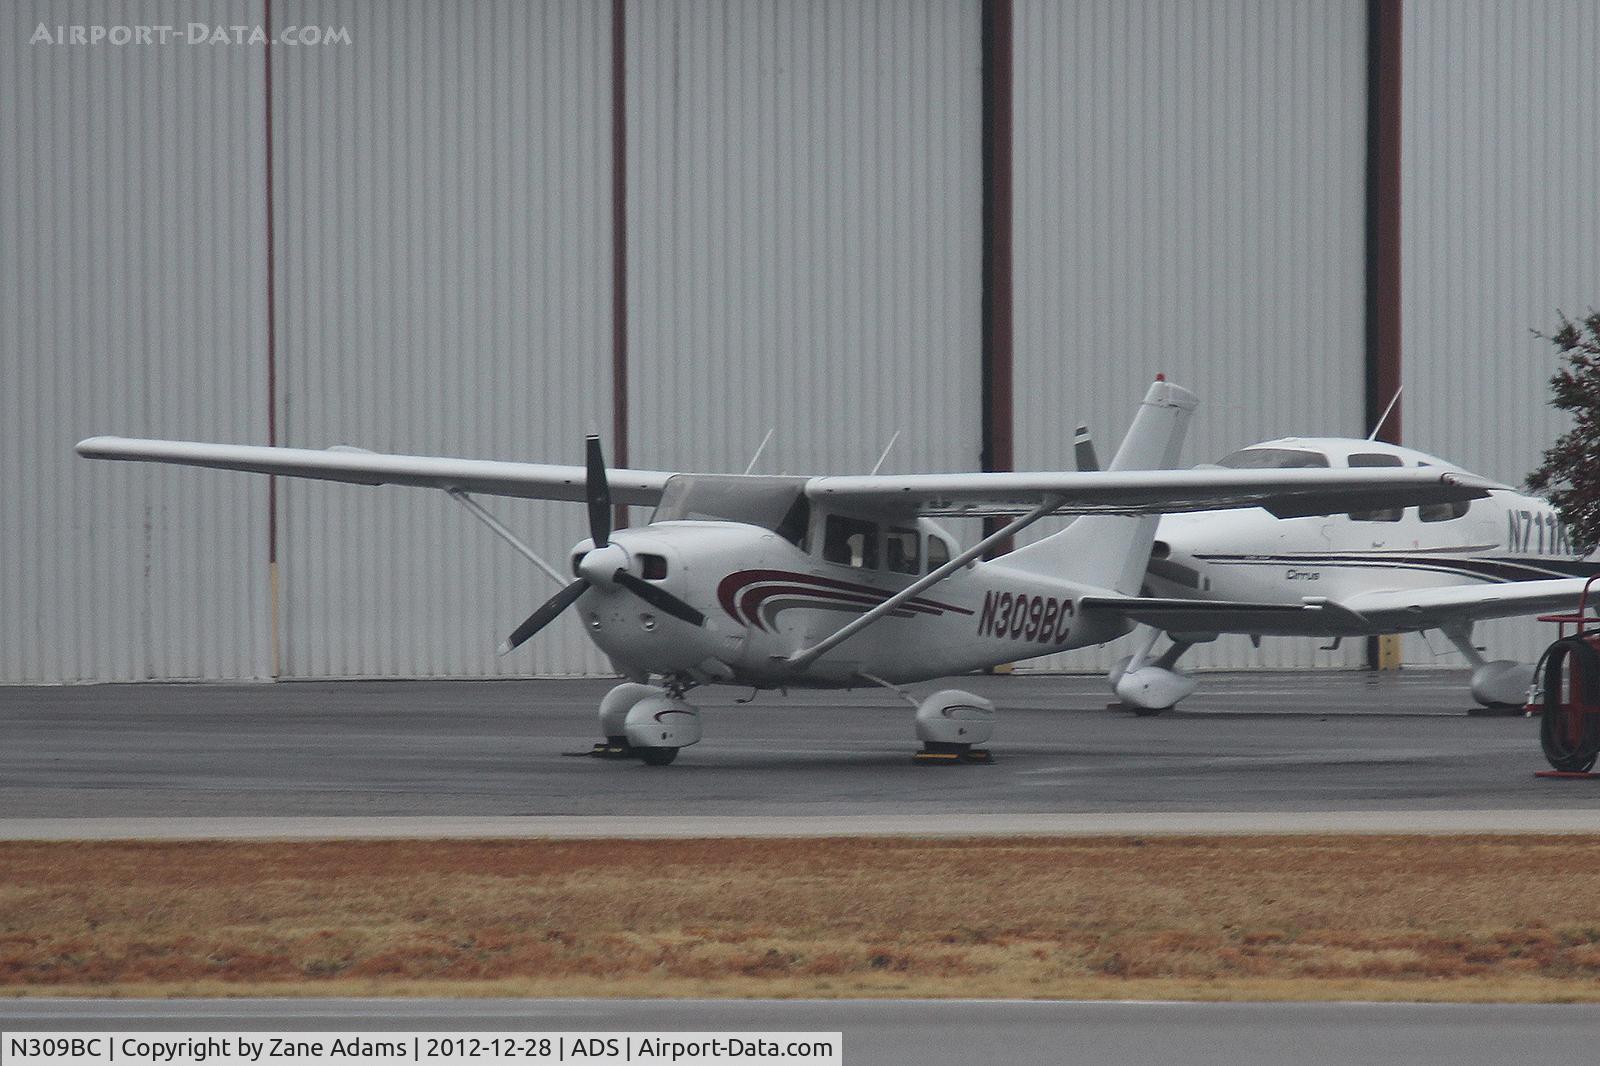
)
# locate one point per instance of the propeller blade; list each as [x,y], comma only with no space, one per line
[544,615]
[598,493]
[659,598]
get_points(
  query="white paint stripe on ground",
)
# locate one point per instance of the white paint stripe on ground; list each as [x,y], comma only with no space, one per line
[689,826]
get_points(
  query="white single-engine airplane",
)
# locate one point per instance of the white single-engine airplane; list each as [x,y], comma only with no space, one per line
[777,582]
[1365,572]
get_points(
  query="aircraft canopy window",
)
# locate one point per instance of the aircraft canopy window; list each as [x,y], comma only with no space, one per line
[1372,459]
[776,503]
[1271,459]
[902,552]
[850,542]
[938,552]
[1443,512]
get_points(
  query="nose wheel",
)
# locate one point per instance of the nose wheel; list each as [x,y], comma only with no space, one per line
[645,722]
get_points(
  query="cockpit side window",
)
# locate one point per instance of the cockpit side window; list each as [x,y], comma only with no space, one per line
[1272,459]
[1443,512]
[850,542]
[938,552]
[902,551]
[1376,459]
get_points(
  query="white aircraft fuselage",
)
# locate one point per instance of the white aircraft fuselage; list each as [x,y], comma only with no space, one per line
[773,598]
[1249,555]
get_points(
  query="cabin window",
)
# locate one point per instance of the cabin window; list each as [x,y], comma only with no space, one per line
[1443,512]
[850,542]
[1376,459]
[938,552]
[1272,459]
[902,553]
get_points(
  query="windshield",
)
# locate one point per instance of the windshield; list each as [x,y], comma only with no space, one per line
[775,503]
[1271,459]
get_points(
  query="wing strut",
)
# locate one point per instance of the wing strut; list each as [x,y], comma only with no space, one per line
[802,659]
[481,513]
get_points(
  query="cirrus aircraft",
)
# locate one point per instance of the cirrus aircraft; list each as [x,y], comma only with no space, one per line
[1364,572]
[781,582]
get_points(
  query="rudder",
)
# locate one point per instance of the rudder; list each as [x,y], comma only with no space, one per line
[1112,551]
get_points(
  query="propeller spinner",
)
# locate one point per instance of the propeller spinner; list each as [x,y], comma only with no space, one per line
[604,564]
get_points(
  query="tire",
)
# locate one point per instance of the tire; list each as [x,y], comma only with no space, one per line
[1147,712]
[656,756]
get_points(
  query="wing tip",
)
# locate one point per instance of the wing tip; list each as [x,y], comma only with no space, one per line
[96,447]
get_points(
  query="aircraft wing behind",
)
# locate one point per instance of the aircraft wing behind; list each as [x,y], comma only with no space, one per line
[535,481]
[1311,618]
[1401,610]
[1286,493]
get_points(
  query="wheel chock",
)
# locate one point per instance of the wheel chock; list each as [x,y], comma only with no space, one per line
[1566,775]
[927,757]
[605,749]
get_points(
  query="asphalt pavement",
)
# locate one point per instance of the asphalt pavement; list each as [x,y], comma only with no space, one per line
[1257,742]
[934,1033]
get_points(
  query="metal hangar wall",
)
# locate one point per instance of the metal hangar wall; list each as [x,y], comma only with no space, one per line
[486,228]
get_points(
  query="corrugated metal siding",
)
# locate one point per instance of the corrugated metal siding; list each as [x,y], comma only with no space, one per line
[444,287]
[1501,224]
[131,281]
[803,206]
[1190,196]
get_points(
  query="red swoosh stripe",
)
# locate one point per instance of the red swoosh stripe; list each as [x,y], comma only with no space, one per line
[743,593]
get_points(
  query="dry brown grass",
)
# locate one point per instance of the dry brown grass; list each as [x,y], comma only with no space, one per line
[1267,917]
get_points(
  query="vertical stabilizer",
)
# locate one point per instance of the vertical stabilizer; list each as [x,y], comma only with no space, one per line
[1112,551]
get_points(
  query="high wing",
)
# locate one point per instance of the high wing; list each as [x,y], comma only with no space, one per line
[1395,611]
[1285,493]
[535,481]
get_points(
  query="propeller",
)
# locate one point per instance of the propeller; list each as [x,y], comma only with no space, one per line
[604,564]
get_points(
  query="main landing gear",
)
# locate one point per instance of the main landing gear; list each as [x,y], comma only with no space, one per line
[1499,685]
[1147,686]
[949,723]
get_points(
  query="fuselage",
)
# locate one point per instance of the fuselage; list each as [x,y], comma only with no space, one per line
[775,576]
[1249,555]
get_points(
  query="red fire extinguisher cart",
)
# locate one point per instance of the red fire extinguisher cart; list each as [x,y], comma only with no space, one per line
[1566,692]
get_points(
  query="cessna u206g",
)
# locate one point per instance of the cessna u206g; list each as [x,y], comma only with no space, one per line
[1364,572]
[779,582]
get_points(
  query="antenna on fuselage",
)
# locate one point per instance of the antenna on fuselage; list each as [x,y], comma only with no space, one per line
[759,449]
[1387,411]
[877,466]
